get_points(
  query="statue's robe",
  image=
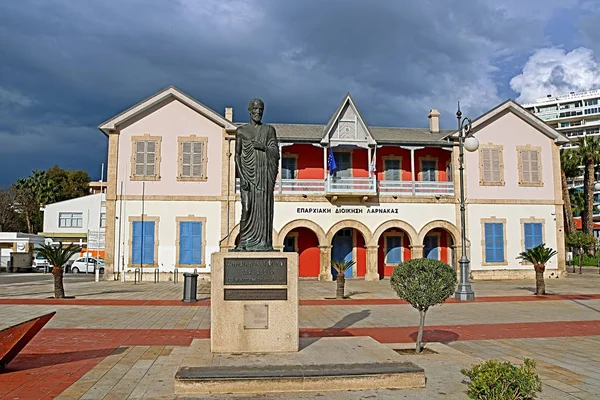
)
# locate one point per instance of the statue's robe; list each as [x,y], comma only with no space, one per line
[258,168]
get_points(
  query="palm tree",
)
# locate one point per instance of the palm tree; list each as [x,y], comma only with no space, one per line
[587,152]
[341,267]
[58,256]
[569,169]
[538,256]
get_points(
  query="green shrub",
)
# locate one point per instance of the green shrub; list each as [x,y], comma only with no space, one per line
[423,283]
[494,380]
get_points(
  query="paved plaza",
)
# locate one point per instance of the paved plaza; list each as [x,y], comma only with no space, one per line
[123,340]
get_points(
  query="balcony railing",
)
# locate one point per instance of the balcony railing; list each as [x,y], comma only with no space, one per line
[417,188]
[350,185]
[333,185]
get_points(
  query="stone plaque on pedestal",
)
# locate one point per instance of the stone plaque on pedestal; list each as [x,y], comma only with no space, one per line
[254,302]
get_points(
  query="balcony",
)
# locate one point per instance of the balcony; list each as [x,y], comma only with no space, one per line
[417,188]
[360,187]
[349,186]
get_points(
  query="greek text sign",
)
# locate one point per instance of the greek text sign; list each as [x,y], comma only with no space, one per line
[347,210]
[255,271]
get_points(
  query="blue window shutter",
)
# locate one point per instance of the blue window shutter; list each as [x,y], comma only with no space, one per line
[528,232]
[136,243]
[184,243]
[190,243]
[537,234]
[533,234]
[494,242]
[148,256]
[197,242]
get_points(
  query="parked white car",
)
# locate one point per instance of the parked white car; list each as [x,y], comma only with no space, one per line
[40,263]
[81,263]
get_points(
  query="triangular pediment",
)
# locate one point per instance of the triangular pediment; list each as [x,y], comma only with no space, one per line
[156,101]
[509,106]
[347,127]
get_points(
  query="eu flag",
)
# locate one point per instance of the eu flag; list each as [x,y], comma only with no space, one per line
[331,162]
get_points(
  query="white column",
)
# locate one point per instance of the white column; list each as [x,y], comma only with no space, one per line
[280,164]
[325,167]
[412,169]
[371,177]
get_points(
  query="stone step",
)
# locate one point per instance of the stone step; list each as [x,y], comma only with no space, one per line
[297,378]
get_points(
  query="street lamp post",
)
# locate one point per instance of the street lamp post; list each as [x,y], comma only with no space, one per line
[469,142]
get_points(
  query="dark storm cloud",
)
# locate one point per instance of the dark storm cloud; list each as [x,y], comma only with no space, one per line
[69,65]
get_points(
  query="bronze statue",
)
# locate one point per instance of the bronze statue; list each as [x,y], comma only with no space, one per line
[257,164]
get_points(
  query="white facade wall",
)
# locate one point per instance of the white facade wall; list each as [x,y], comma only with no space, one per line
[513,214]
[89,206]
[168,212]
[412,213]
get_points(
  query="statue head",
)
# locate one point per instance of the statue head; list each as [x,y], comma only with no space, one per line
[256,108]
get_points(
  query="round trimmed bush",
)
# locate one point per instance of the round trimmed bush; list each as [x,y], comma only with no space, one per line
[423,283]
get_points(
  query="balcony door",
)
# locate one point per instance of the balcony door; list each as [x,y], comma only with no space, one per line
[341,175]
[428,170]
[342,250]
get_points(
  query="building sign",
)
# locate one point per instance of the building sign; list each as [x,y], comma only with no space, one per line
[95,240]
[255,294]
[347,210]
[255,271]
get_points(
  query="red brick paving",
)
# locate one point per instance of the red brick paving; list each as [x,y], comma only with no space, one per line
[452,333]
[56,358]
[311,302]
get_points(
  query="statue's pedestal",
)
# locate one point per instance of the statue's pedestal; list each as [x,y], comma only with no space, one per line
[254,302]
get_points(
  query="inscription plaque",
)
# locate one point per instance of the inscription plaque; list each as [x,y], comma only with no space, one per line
[255,271]
[255,294]
[256,316]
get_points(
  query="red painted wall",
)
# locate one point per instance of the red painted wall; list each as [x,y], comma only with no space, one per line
[361,254]
[443,156]
[360,163]
[308,253]
[386,270]
[310,160]
[393,151]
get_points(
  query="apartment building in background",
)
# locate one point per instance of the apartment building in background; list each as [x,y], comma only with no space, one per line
[575,115]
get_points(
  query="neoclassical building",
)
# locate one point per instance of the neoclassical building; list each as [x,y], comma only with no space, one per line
[346,190]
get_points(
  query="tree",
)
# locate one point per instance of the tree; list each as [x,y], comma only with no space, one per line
[539,257]
[569,169]
[27,203]
[580,242]
[10,219]
[58,256]
[423,283]
[46,187]
[70,183]
[341,267]
[587,152]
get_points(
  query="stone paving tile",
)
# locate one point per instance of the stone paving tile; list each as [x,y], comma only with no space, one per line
[444,379]
[556,363]
[586,283]
[198,317]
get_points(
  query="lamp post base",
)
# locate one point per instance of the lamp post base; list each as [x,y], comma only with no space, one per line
[464,293]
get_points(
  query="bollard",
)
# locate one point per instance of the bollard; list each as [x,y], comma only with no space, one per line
[190,287]
[175,275]
[156,275]
[135,276]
